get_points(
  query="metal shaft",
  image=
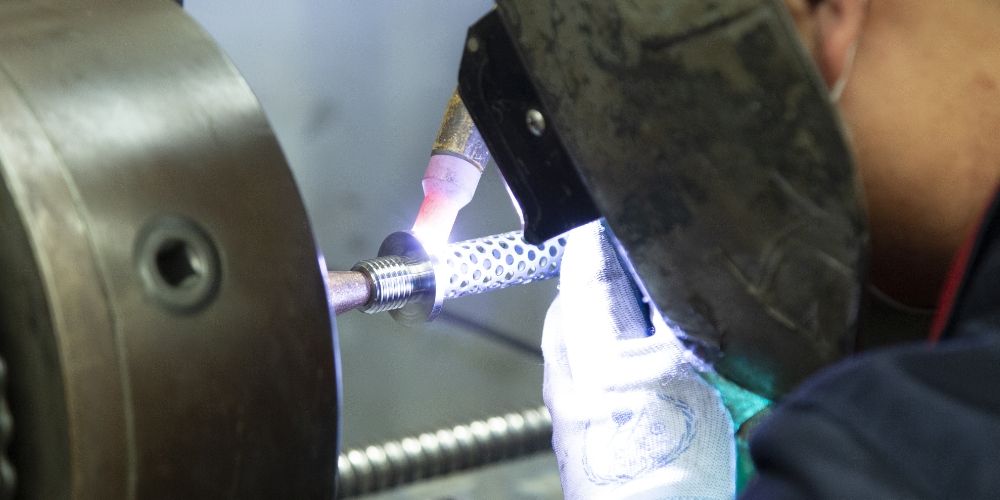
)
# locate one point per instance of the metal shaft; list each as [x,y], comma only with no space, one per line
[433,454]
[348,290]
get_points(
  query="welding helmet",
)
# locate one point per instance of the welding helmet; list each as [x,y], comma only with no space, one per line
[704,136]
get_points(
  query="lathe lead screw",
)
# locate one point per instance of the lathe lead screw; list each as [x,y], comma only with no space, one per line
[412,284]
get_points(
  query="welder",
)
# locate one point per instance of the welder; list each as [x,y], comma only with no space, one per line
[917,85]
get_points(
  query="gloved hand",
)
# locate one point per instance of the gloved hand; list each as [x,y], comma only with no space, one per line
[631,416]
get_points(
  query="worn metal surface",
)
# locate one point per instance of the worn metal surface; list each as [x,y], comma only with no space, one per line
[8,477]
[349,290]
[458,135]
[141,367]
[705,137]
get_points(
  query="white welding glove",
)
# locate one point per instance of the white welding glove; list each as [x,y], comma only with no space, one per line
[631,416]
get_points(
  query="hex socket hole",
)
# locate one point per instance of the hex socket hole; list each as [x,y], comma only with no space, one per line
[178,263]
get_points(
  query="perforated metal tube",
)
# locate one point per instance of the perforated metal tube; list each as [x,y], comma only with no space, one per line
[413,284]
[495,262]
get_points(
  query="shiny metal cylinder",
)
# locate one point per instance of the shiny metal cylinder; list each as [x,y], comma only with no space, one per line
[433,454]
[496,262]
[394,280]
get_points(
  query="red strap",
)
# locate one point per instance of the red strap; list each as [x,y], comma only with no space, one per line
[955,278]
[952,284]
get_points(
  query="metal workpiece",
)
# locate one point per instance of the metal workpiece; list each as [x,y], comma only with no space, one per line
[396,282]
[348,290]
[402,280]
[412,284]
[164,317]
[437,453]
[497,262]
[703,134]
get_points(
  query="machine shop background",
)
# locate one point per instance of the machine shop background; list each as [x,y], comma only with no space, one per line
[355,91]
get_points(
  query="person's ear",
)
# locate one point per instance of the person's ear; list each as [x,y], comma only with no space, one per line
[836,30]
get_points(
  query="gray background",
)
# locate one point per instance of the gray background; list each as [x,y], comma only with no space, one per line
[355,91]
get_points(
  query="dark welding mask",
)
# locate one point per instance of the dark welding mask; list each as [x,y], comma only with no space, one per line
[704,136]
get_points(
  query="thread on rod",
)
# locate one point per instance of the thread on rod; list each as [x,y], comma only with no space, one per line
[433,454]
[392,282]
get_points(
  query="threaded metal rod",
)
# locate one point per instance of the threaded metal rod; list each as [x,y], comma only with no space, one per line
[393,281]
[434,454]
